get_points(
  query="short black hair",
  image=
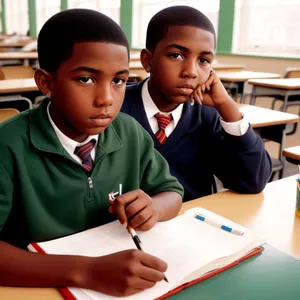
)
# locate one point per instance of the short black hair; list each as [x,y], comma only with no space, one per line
[59,34]
[175,16]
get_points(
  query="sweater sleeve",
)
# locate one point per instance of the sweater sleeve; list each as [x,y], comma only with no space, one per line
[6,196]
[240,162]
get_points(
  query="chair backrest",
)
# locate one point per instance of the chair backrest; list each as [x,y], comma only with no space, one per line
[6,113]
[2,77]
[292,73]
[17,72]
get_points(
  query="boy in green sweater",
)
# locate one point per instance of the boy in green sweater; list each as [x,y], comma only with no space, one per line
[60,161]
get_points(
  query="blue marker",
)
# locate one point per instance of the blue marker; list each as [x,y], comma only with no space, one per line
[219,225]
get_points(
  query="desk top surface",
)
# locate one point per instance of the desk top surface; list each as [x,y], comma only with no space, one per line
[261,212]
[270,213]
[263,117]
[136,64]
[292,152]
[257,116]
[18,55]
[243,76]
[24,85]
[17,85]
[18,43]
[282,83]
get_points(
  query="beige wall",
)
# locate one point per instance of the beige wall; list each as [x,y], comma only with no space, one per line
[273,65]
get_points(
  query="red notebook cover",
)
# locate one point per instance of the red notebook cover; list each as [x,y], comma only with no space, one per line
[69,296]
[210,274]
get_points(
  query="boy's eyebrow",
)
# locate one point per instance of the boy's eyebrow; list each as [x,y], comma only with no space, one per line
[94,71]
[182,48]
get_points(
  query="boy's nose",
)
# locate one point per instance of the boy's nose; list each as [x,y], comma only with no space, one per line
[103,96]
[190,69]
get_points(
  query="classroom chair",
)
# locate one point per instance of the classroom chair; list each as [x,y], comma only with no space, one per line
[6,113]
[21,102]
[17,72]
[2,77]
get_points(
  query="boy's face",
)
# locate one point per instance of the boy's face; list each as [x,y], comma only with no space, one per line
[88,89]
[180,62]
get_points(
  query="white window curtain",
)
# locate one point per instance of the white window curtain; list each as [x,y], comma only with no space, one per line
[111,8]
[45,9]
[144,10]
[267,27]
[16,15]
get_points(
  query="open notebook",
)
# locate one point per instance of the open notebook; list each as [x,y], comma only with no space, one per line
[191,248]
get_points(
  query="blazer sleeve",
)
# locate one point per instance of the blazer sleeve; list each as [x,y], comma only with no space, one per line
[240,162]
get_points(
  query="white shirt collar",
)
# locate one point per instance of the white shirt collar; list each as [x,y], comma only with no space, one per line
[66,142]
[151,109]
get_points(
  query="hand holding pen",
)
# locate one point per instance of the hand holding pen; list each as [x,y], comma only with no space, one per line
[113,199]
[134,208]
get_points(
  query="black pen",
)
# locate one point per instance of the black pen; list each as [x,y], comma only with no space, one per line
[138,243]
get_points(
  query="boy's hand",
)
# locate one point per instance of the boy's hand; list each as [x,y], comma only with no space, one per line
[123,273]
[135,208]
[211,93]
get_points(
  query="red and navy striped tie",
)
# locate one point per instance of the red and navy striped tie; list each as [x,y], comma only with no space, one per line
[163,121]
[84,152]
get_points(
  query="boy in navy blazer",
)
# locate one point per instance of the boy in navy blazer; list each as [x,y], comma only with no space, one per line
[191,118]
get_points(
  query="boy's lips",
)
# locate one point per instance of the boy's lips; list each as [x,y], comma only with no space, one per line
[101,119]
[185,89]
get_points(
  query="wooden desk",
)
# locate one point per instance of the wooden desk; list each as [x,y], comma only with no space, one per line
[135,66]
[292,154]
[235,81]
[285,88]
[261,213]
[271,125]
[270,213]
[15,44]
[135,57]
[219,67]
[18,55]
[260,117]
[10,86]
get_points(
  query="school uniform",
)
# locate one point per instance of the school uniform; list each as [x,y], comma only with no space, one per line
[198,147]
[46,193]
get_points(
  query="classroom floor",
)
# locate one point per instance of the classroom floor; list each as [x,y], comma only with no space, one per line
[290,140]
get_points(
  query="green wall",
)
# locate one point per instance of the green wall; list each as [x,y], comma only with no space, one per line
[224,30]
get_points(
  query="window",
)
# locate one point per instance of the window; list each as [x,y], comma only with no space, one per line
[144,10]
[111,8]
[16,15]
[45,9]
[270,27]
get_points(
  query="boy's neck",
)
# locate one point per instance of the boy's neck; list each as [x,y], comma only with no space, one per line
[162,103]
[59,124]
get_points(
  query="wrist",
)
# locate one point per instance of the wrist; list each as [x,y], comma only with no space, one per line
[80,271]
[156,210]
[226,103]
[229,111]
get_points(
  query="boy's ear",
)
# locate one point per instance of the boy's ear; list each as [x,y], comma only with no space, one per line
[146,59]
[43,81]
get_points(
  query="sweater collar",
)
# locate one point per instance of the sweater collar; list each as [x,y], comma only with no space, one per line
[43,136]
